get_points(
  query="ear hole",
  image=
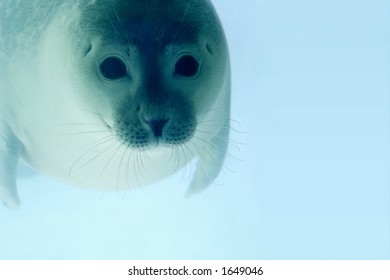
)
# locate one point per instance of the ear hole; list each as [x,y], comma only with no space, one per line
[88,50]
[209,48]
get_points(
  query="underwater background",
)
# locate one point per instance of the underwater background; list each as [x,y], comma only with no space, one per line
[307,176]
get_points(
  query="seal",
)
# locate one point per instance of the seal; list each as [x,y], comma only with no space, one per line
[112,94]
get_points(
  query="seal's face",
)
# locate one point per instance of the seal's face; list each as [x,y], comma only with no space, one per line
[144,88]
[153,73]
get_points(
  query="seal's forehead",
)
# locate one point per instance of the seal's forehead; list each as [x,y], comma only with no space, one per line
[157,22]
[152,33]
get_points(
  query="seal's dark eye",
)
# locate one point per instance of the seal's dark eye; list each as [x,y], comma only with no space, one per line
[187,66]
[113,68]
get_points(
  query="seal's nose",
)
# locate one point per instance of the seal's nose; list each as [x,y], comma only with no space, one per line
[157,126]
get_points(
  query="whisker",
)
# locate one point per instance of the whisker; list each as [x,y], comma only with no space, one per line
[120,166]
[74,124]
[232,142]
[222,122]
[112,154]
[227,153]
[198,154]
[181,24]
[178,162]
[142,166]
[186,149]
[229,120]
[222,126]
[114,27]
[87,128]
[203,112]
[101,115]
[136,169]
[129,152]
[100,142]
[81,133]
[213,155]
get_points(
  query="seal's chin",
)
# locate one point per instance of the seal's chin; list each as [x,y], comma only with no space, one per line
[156,142]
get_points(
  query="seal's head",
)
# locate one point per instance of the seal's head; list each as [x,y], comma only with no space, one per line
[155,68]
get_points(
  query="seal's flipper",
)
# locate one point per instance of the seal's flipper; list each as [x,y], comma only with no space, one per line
[210,163]
[9,157]
[211,153]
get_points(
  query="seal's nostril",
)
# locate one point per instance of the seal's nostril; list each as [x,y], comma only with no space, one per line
[157,126]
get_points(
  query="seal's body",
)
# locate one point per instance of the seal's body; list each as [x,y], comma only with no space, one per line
[112,94]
